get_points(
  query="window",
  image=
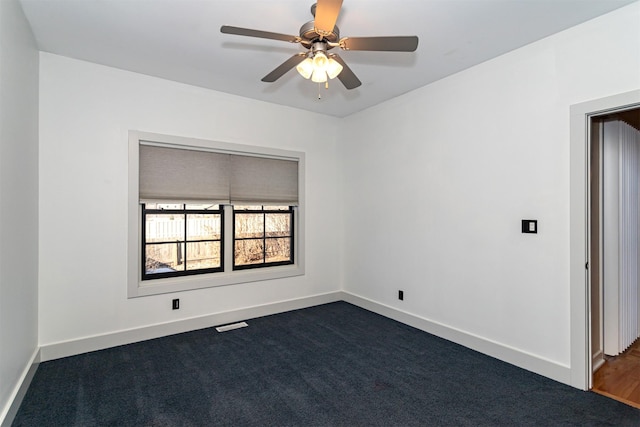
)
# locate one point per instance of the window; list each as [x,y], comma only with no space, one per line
[205,213]
[262,236]
[181,239]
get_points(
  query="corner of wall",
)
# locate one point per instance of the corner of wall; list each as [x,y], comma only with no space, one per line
[19,82]
[499,351]
[20,390]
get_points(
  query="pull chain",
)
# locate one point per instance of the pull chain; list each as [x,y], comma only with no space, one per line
[326,86]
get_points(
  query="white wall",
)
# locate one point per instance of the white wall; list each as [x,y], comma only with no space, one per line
[86,111]
[18,200]
[435,183]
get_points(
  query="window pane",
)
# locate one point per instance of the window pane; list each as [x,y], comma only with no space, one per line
[203,255]
[278,250]
[162,258]
[247,207]
[276,208]
[203,207]
[249,225]
[278,225]
[164,206]
[203,227]
[164,227]
[248,252]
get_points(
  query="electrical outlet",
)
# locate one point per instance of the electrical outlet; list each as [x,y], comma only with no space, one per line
[175,304]
[401,295]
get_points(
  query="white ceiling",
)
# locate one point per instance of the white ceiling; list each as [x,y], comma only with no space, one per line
[180,40]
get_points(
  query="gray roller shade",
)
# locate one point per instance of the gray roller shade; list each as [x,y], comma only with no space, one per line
[193,175]
[180,174]
[259,180]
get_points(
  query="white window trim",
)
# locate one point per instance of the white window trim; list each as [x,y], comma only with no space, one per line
[137,288]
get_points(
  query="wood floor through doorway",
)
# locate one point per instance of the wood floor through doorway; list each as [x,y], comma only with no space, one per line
[619,377]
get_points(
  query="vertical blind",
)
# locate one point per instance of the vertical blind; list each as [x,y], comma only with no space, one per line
[621,238]
[167,173]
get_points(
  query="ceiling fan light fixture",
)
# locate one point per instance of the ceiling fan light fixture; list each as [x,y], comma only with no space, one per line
[319,67]
[319,76]
[305,68]
[320,61]
[334,68]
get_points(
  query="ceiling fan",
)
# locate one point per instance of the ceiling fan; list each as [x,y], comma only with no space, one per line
[318,37]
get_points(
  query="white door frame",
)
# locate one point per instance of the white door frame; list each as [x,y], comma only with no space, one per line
[579,248]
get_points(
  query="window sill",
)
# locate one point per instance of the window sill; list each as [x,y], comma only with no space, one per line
[185,283]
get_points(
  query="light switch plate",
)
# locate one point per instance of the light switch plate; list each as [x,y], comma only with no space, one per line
[530,226]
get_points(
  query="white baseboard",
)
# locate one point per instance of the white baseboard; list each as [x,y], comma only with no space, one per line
[502,352]
[99,342]
[597,361]
[15,399]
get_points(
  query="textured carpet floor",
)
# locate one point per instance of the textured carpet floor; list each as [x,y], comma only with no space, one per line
[331,365]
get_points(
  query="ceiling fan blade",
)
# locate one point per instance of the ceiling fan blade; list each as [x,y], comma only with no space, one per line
[284,67]
[226,29]
[327,12]
[346,76]
[389,44]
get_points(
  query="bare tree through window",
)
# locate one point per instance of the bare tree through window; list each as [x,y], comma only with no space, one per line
[184,239]
[262,235]
[181,238]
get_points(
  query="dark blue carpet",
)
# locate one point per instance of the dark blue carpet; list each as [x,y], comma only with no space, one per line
[331,365]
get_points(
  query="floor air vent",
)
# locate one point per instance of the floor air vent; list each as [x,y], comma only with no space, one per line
[231,327]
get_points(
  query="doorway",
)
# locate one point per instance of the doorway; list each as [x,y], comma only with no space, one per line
[580,368]
[615,357]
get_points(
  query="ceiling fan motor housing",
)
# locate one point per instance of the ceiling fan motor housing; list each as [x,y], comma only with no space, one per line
[309,36]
